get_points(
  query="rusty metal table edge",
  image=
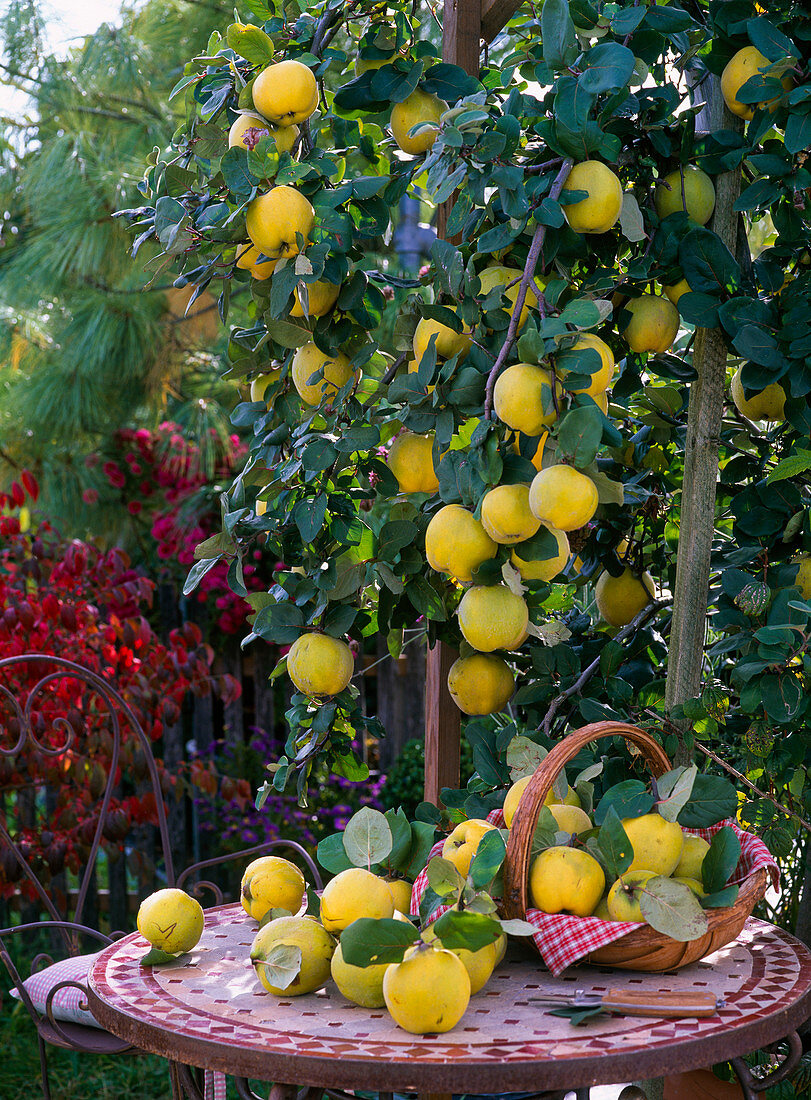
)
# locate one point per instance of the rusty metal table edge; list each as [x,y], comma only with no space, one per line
[472,1077]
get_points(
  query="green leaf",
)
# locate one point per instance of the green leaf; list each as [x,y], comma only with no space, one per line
[678,793]
[449,82]
[615,846]
[580,435]
[798,132]
[712,800]
[721,899]
[156,957]
[281,966]
[792,466]
[721,860]
[422,841]
[367,837]
[488,859]
[196,574]
[281,623]
[545,831]
[558,34]
[236,173]
[444,879]
[470,931]
[523,756]
[517,927]
[400,838]
[251,43]
[610,67]
[672,909]
[771,42]
[367,942]
[577,1016]
[707,263]
[331,854]
[631,798]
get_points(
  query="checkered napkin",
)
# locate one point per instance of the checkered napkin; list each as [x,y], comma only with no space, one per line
[562,940]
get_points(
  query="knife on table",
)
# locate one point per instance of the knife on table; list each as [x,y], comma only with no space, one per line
[628,1002]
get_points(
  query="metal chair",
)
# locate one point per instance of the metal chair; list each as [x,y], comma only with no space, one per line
[56,737]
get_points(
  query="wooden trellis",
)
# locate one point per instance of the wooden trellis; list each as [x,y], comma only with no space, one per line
[467,24]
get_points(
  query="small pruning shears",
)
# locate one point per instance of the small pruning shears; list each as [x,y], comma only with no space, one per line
[628,1002]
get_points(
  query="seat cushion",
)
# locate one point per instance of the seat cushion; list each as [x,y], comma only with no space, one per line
[68,1003]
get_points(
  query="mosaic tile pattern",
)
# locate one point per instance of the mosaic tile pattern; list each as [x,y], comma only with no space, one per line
[210,1008]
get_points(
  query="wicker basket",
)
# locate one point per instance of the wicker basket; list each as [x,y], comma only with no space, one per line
[644,948]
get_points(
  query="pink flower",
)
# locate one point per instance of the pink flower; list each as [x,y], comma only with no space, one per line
[90,496]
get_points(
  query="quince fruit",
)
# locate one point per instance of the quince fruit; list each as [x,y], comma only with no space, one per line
[285,93]
[428,991]
[307,361]
[279,222]
[401,891]
[768,404]
[448,342]
[562,497]
[462,844]
[478,964]
[744,64]
[456,543]
[803,578]
[317,948]
[362,985]
[271,882]
[620,599]
[321,297]
[498,275]
[547,569]
[601,210]
[410,459]
[319,664]
[248,260]
[284,136]
[692,857]
[170,920]
[675,291]
[492,617]
[624,895]
[355,893]
[481,683]
[570,819]
[569,880]
[657,843]
[517,789]
[506,516]
[654,324]
[699,194]
[522,398]
[601,378]
[692,884]
[260,384]
[419,107]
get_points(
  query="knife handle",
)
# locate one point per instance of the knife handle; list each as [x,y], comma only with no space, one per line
[662,1004]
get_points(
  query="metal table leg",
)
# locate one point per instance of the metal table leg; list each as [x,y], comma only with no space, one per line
[752,1085]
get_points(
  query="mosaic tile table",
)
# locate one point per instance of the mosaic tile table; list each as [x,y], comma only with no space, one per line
[208,1010]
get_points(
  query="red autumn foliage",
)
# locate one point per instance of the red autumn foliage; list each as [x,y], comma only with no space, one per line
[70,599]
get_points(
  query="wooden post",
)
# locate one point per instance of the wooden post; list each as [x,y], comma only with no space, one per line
[684,672]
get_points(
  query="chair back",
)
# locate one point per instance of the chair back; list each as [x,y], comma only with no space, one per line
[68,740]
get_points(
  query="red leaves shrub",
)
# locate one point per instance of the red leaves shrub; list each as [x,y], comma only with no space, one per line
[70,599]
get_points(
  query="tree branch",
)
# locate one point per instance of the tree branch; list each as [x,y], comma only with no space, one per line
[589,671]
[762,794]
[529,272]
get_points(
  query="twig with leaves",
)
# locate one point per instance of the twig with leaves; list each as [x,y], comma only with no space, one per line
[533,256]
[627,631]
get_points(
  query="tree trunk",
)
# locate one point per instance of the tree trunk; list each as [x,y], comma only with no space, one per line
[264,703]
[684,673]
[233,714]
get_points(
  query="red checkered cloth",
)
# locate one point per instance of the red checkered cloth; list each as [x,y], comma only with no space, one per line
[562,940]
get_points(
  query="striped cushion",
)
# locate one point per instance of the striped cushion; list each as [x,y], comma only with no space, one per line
[69,1004]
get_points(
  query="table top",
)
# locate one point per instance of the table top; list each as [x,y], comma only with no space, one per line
[208,1009]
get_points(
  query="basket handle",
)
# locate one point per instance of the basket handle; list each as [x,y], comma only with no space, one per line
[519,844]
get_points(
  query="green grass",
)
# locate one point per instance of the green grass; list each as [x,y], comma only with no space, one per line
[73,1076]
